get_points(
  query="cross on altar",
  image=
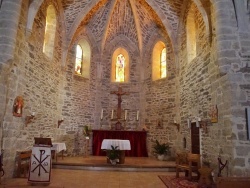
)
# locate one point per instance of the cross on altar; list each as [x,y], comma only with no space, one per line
[119,94]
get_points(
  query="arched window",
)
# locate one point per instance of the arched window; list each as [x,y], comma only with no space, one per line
[82,61]
[78,64]
[163,63]
[120,66]
[191,34]
[50,31]
[159,61]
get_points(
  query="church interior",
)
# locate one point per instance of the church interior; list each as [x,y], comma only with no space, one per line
[172,71]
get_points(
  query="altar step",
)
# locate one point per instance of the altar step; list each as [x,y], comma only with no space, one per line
[99,163]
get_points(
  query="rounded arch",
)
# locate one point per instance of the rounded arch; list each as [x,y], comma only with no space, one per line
[191,30]
[33,9]
[50,31]
[167,25]
[118,52]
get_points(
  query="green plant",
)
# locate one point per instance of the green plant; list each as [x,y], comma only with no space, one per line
[86,130]
[161,149]
[114,153]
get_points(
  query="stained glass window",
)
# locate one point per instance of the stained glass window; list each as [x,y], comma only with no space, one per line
[120,68]
[163,67]
[78,63]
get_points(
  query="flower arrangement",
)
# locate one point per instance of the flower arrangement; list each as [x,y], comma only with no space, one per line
[113,154]
[86,131]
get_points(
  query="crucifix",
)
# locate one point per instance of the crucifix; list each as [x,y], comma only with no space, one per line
[119,94]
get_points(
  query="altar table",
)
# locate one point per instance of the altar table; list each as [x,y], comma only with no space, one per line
[137,141]
[58,147]
[122,146]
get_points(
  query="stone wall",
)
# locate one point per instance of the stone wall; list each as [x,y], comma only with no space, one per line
[219,75]
[37,78]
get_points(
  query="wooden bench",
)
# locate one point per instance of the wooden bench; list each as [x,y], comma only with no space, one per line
[23,162]
[233,182]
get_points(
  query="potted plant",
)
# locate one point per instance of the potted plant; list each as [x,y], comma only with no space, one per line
[113,155]
[161,149]
[86,131]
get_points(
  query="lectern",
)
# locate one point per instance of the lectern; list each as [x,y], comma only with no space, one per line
[40,162]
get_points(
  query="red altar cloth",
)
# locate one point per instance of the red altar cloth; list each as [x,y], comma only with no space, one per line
[137,141]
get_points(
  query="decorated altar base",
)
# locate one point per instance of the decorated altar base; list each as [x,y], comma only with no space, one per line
[40,165]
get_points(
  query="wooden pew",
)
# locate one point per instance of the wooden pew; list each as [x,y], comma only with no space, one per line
[23,162]
[188,162]
[233,182]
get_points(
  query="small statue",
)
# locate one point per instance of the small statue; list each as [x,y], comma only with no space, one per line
[18,106]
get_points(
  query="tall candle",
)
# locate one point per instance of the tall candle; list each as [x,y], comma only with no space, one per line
[112,114]
[125,115]
[102,114]
[137,116]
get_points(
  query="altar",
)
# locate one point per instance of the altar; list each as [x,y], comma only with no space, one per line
[137,141]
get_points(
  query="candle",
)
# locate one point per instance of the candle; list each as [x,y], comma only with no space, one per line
[137,116]
[125,114]
[112,114]
[188,123]
[102,114]
[197,123]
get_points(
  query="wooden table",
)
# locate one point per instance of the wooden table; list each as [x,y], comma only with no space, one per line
[58,147]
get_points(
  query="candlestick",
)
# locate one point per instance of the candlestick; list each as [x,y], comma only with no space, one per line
[188,123]
[112,114]
[137,116]
[102,114]
[125,115]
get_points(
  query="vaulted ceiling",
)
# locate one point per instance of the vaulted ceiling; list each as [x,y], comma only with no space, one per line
[135,19]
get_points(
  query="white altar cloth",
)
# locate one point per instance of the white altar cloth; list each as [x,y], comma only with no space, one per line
[58,146]
[122,144]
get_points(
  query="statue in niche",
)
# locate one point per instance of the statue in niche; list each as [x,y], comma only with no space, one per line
[214,114]
[18,106]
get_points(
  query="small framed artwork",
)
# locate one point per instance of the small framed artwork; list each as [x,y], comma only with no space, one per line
[214,114]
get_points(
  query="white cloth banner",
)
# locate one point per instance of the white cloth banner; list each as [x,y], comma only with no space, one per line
[40,164]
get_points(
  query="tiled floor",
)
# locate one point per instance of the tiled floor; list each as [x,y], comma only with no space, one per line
[71,178]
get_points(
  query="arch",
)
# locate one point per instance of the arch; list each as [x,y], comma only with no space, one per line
[120,52]
[201,7]
[168,27]
[33,9]
[157,61]
[86,57]
[191,34]
[50,31]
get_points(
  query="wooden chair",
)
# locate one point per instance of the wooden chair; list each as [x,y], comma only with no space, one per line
[188,162]
[23,162]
